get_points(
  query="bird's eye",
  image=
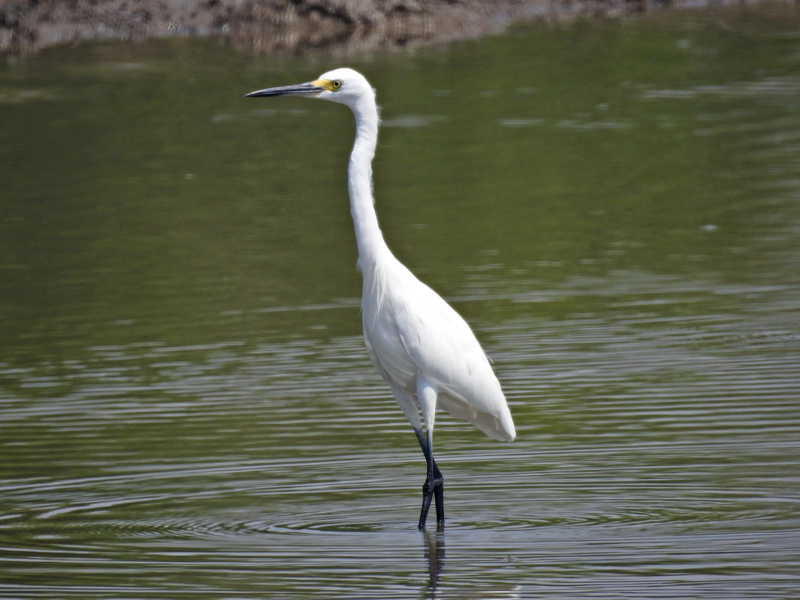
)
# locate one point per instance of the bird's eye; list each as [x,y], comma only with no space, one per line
[337,83]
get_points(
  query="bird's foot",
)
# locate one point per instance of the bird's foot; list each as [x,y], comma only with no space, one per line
[433,488]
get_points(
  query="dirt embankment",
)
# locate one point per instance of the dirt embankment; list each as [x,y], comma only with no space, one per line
[291,26]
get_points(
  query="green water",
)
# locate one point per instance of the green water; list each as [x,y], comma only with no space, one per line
[186,406]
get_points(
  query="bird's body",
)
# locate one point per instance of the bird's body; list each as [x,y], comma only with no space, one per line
[421,346]
[413,335]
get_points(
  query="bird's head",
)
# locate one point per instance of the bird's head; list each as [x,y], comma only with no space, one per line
[344,86]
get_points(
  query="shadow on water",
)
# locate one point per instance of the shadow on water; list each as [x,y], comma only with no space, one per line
[186,405]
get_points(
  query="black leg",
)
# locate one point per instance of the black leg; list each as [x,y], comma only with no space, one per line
[434,483]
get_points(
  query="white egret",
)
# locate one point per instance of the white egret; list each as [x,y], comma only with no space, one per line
[423,348]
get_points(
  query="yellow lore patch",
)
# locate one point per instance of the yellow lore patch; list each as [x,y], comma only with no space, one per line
[327,84]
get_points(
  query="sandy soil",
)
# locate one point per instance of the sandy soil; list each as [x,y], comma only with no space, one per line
[293,26]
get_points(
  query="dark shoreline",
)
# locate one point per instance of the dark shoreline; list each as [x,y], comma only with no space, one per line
[293,27]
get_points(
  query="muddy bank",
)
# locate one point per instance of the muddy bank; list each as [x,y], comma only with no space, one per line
[293,26]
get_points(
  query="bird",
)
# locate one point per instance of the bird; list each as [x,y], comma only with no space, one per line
[419,344]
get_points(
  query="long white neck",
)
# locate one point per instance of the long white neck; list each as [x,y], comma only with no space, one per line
[362,205]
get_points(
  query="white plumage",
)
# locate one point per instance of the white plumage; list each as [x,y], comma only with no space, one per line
[421,346]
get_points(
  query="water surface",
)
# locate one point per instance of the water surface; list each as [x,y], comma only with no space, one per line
[186,407]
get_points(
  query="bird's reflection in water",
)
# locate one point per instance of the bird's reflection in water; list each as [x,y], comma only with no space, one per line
[434,554]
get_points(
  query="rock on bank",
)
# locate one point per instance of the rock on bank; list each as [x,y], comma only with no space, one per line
[290,26]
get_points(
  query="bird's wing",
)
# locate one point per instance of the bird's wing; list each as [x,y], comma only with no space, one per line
[445,352]
[385,346]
